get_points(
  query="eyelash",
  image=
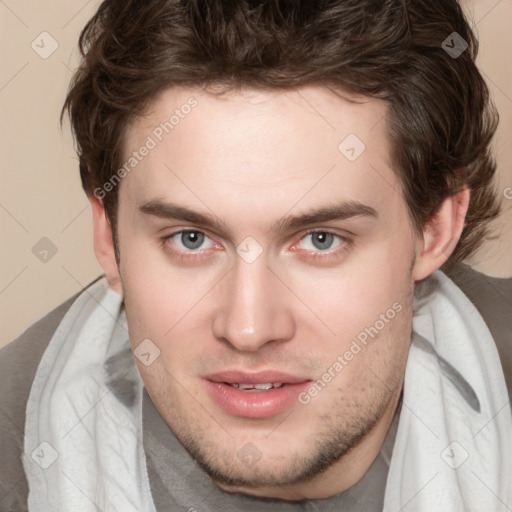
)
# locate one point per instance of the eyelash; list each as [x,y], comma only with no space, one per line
[344,245]
[182,256]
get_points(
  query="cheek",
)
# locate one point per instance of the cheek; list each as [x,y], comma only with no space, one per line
[367,362]
[352,297]
[156,291]
[379,278]
[156,307]
[167,304]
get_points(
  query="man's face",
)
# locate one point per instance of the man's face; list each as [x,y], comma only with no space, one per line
[261,295]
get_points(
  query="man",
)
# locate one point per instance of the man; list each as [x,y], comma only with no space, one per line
[275,186]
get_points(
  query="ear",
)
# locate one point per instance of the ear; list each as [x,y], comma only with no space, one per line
[104,244]
[441,234]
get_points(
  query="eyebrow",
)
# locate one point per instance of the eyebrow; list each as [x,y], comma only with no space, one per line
[171,211]
[342,211]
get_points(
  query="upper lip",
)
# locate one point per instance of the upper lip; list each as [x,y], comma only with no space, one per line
[241,377]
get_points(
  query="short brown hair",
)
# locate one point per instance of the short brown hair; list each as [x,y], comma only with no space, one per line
[440,122]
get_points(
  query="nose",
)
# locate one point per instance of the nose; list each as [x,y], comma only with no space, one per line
[253,307]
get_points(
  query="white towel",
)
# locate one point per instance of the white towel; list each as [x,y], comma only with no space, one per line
[83,447]
[453,448]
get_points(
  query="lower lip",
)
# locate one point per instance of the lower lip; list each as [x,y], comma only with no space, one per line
[254,404]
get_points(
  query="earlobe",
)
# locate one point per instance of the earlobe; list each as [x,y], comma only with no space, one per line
[104,244]
[441,235]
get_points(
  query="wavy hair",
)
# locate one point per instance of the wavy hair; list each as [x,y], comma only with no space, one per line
[440,119]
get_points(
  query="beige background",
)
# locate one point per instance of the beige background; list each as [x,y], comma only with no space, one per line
[40,192]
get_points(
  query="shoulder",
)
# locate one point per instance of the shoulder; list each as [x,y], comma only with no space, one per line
[18,364]
[492,296]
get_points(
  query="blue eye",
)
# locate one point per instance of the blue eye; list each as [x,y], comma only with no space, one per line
[189,240]
[322,241]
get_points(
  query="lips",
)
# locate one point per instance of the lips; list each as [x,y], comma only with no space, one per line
[255,395]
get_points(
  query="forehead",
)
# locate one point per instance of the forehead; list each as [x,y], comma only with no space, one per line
[260,149]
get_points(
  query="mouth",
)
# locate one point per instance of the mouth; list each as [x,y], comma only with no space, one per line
[255,395]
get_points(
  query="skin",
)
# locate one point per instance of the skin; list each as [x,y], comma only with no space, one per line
[250,159]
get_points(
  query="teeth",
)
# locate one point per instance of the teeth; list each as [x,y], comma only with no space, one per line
[263,387]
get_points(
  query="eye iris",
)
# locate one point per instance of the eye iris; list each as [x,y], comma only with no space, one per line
[322,240]
[192,239]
